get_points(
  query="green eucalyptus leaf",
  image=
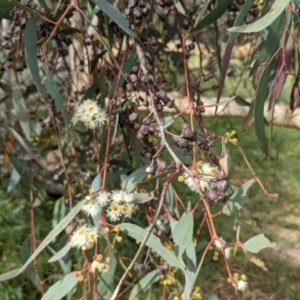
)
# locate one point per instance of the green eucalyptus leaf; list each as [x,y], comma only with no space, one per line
[183,232]
[106,284]
[61,288]
[277,8]
[60,254]
[134,179]
[212,17]
[237,200]
[257,243]
[144,284]
[54,233]
[31,55]
[153,242]
[10,274]
[166,122]
[116,16]
[261,96]
[21,112]
[54,93]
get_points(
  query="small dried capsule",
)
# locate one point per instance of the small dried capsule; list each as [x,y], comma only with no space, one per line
[133,117]
[189,134]
[189,147]
[142,3]
[249,19]
[136,126]
[137,22]
[161,165]
[186,126]
[133,78]
[145,78]
[146,11]
[161,94]
[132,3]
[152,130]
[148,155]
[135,70]
[137,13]
[186,24]
[144,129]
[212,195]
[211,144]
[201,142]
[221,175]
[221,185]
[192,46]
[140,136]
[150,169]
[182,143]
[159,107]
[127,11]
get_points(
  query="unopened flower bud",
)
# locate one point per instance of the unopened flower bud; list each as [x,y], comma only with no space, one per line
[212,195]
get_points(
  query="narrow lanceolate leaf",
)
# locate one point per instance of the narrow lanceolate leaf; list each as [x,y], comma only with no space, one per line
[202,12]
[257,243]
[183,232]
[262,23]
[144,284]
[237,200]
[213,16]
[54,233]
[261,96]
[61,288]
[166,122]
[23,144]
[153,242]
[54,93]
[31,55]
[229,47]
[116,16]
[60,254]
[134,178]
[21,112]
[281,73]
[10,274]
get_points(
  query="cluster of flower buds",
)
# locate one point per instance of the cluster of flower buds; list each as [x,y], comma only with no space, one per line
[159,165]
[143,127]
[147,151]
[116,29]
[186,137]
[218,186]
[207,142]
[188,48]
[136,11]
[161,99]
[235,7]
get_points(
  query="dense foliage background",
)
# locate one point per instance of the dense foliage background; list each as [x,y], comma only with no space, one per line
[164,131]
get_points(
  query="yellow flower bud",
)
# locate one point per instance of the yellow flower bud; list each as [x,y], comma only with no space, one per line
[99,257]
[108,259]
[80,278]
[236,275]
[244,277]
[106,230]
[180,178]
[119,239]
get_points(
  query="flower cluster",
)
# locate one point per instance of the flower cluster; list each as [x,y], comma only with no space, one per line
[101,267]
[84,236]
[205,172]
[218,245]
[91,115]
[120,204]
